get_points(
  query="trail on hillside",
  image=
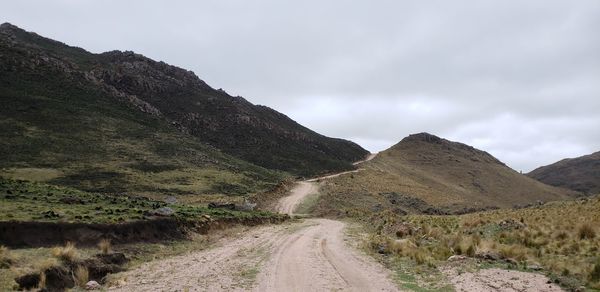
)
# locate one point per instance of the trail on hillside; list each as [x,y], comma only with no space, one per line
[310,255]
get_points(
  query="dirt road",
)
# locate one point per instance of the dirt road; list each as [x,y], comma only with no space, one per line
[311,255]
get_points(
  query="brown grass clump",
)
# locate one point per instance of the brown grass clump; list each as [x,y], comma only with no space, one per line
[42,283]
[67,253]
[586,231]
[6,257]
[81,276]
[104,246]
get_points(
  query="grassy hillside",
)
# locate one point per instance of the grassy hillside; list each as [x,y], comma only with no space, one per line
[426,174]
[59,127]
[61,91]
[60,131]
[560,239]
[581,174]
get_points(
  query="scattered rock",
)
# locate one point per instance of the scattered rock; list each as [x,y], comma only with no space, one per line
[381,249]
[534,267]
[246,206]
[456,258]
[228,206]
[488,255]
[163,211]
[171,200]
[92,285]
[510,224]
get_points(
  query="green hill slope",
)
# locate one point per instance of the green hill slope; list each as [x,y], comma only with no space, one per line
[171,95]
[60,126]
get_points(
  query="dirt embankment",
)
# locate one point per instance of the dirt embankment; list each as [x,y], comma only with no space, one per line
[36,234]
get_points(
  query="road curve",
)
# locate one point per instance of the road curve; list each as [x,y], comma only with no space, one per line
[317,258]
[308,255]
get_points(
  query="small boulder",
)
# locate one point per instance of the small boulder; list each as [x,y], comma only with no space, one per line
[92,285]
[163,211]
[488,255]
[170,200]
[456,258]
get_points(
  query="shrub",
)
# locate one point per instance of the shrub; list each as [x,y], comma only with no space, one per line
[586,231]
[104,246]
[81,276]
[67,254]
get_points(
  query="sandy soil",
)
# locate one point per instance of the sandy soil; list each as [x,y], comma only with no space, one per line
[288,204]
[318,259]
[500,280]
[304,256]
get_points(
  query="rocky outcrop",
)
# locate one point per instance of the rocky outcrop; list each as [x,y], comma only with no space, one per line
[251,132]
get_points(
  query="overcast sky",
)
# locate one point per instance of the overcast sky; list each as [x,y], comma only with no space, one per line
[519,79]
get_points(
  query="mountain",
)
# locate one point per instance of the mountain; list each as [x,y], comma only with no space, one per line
[120,122]
[424,173]
[37,70]
[581,174]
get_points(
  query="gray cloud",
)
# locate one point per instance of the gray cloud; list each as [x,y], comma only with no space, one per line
[517,79]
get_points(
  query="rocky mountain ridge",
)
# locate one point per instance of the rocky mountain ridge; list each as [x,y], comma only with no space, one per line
[251,132]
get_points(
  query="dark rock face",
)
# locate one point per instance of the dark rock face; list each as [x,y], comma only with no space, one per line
[579,174]
[251,132]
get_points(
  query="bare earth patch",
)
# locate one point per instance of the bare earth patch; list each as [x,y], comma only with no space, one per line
[495,279]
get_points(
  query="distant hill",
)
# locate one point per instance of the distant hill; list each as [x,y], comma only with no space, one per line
[581,174]
[89,101]
[427,174]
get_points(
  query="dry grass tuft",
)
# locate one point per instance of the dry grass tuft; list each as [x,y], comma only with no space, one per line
[42,283]
[6,257]
[81,276]
[586,231]
[67,253]
[104,246]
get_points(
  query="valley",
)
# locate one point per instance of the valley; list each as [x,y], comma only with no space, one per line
[122,173]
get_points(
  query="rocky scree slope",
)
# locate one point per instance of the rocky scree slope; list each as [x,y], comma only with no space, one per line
[580,174]
[253,133]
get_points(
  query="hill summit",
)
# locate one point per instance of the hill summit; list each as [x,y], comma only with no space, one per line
[424,173]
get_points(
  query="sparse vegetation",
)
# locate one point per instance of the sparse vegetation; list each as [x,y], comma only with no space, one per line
[6,258]
[542,236]
[104,246]
[29,201]
[81,276]
[586,231]
[67,253]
